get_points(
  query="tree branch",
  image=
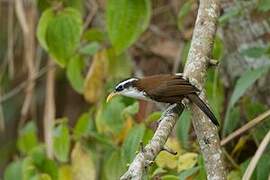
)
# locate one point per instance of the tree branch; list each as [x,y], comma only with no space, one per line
[49,110]
[146,156]
[195,70]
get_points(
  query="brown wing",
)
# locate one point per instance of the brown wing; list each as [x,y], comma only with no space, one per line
[166,88]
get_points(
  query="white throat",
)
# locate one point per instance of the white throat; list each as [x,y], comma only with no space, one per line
[134,93]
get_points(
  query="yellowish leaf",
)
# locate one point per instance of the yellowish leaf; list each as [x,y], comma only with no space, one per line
[234,175]
[44,176]
[96,76]
[187,161]
[65,172]
[240,145]
[123,133]
[83,166]
[167,160]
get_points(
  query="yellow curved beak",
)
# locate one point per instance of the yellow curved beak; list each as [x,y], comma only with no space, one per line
[110,96]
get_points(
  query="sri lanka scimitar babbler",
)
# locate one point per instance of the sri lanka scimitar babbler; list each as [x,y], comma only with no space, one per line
[164,88]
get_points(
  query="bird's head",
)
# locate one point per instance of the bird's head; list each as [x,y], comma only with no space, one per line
[127,88]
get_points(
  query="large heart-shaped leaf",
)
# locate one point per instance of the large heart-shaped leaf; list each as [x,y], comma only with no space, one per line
[63,35]
[126,20]
[44,20]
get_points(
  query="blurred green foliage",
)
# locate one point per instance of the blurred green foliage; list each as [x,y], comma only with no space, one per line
[106,138]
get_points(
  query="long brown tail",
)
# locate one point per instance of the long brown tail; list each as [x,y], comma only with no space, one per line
[197,100]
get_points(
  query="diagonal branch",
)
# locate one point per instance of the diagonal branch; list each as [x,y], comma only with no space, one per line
[147,155]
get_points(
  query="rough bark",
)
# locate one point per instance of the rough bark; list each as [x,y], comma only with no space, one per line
[195,69]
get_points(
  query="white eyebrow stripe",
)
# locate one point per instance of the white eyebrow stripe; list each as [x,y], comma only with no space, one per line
[127,81]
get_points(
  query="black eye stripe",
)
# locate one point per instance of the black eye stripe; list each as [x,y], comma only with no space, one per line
[119,87]
[124,85]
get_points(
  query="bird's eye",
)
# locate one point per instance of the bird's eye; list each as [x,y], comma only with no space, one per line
[119,88]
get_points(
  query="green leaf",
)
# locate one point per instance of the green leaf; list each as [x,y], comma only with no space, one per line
[119,66]
[94,34]
[74,73]
[254,52]
[263,167]
[44,20]
[232,121]
[232,13]
[131,110]
[215,92]
[61,141]
[27,138]
[263,5]
[185,51]
[63,35]
[29,170]
[82,126]
[218,49]
[78,5]
[126,20]
[169,177]
[242,85]
[245,81]
[44,165]
[42,5]
[234,175]
[109,118]
[13,171]
[90,49]
[148,135]
[253,109]
[183,12]
[132,142]
[38,155]
[114,166]
[183,127]
[202,172]
[50,168]
[187,173]
[154,116]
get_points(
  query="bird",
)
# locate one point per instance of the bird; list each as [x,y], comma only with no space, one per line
[164,88]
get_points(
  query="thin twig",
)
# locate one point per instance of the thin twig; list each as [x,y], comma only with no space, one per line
[21,86]
[256,157]
[2,117]
[246,127]
[10,53]
[228,156]
[49,110]
[28,29]
[92,8]
[21,15]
